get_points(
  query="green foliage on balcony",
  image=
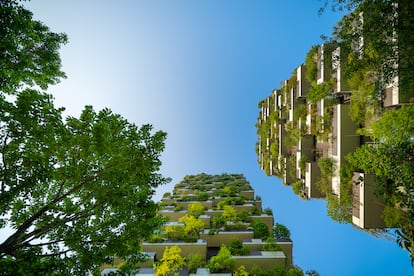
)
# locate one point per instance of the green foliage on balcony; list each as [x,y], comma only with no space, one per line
[170,263]
[195,261]
[311,64]
[260,229]
[321,91]
[298,188]
[155,238]
[236,226]
[280,231]
[237,248]
[326,165]
[218,222]
[244,216]
[268,211]
[240,200]
[222,262]
[196,209]
[271,245]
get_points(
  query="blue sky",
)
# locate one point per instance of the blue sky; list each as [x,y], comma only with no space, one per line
[197,69]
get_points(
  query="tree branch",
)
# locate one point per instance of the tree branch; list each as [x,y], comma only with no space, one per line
[16,240]
[3,150]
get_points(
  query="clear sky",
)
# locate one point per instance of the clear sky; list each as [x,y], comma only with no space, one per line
[197,69]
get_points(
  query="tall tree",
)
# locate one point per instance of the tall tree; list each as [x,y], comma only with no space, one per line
[73,192]
[77,191]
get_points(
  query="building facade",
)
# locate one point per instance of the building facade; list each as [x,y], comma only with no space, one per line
[205,213]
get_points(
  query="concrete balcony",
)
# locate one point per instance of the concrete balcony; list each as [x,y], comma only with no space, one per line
[224,237]
[187,248]
[367,209]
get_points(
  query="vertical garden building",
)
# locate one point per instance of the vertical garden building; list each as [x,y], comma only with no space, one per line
[217,225]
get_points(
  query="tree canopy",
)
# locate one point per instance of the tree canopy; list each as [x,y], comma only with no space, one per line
[77,189]
[74,192]
[29,51]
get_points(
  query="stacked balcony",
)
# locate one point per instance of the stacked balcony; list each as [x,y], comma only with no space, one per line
[216,194]
[308,131]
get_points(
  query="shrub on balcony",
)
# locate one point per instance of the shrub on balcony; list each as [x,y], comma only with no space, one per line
[218,222]
[203,196]
[196,209]
[222,262]
[338,210]
[237,248]
[195,261]
[271,245]
[298,188]
[229,213]
[195,186]
[254,211]
[155,239]
[311,64]
[260,229]
[281,232]
[326,166]
[240,200]
[236,226]
[192,226]
[241,271]
[170,262]
[244,216]
[320,91]
[174,232]
[268,211]
[212,231]
[189,238]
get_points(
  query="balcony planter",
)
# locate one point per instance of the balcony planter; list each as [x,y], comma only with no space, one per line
[187,248]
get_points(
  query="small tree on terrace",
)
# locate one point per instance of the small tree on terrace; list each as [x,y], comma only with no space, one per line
[175,232]
[229,213]
[195,261]
[170,262]
[222,262]
[192,225]
[218,221]
[260,229]
[281,232]
[196,209]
